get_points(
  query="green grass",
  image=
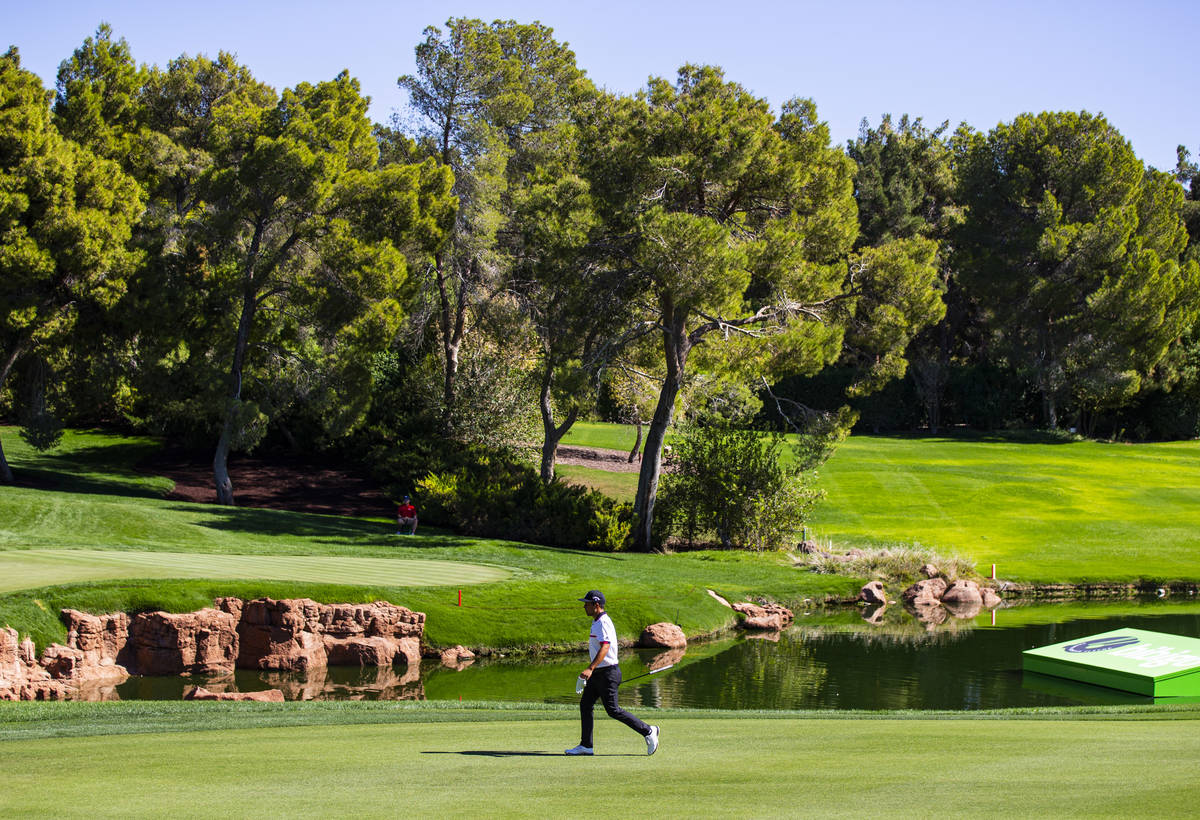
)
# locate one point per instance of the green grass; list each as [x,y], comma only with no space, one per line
[34,568]
[162,547]
[385,759]
[599,434]
[1074,512]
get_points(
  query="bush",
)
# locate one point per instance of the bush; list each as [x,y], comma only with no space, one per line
[729,484]
[494,494]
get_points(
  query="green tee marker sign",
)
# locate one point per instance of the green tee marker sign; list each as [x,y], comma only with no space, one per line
[1133,660]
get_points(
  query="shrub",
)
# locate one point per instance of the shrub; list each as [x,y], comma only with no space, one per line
[730,484]
[492,493]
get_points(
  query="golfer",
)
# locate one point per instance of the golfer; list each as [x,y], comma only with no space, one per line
[602,678]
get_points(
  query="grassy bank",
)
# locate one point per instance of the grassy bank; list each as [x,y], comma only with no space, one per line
[1071,512]
[107,541]
[383,759]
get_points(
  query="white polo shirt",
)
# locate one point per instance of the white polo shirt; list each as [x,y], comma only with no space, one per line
[603,630]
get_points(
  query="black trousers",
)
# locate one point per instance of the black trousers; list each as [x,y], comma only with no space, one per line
[602,686]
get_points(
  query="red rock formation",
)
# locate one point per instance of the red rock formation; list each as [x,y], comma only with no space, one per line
[991,599]
[200,693]
[289,635]
[663,636]
[283,635]
[201,642]
[372,634]
[767,616]
[20,678]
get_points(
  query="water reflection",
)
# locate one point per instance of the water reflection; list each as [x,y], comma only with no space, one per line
[850,659]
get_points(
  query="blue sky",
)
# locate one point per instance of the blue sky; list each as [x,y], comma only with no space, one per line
[977,62]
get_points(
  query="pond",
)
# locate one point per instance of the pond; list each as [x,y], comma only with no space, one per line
[825,660]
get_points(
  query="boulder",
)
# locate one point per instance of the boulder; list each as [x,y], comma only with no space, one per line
[662,636]
[808,548]
[924,592]
[991,598]
[203,642]
[873,593]
[200,693]
[929,571]
[962,592]
[359,651]
[457,657]
[765,616]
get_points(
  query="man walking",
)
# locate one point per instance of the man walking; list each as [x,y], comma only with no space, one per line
[602,677]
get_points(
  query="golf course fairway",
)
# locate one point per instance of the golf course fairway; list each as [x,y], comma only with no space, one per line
[25,569]
[460,764]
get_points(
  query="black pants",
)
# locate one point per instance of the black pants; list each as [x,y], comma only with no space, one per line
[602,686]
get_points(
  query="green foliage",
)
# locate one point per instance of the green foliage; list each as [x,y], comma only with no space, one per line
[495,494]
[731,484]
[1073,249]
[66,217]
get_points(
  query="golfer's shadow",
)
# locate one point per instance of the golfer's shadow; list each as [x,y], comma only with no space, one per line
[512,753]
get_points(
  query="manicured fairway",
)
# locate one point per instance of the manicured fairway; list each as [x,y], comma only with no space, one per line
[1063,512]
[732,766]
[1082,511]
[24,569]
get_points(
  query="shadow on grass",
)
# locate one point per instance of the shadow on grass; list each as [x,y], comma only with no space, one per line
[982,437]
[504,753]
[258,521]
[98,469]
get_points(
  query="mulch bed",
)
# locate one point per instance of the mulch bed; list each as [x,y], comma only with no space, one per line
[276,482]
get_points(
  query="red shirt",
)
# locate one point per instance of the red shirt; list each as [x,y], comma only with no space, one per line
[406,511]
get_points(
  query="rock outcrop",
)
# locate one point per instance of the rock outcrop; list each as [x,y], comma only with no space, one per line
[287,635]
[21,677]
[662,636]
[194,643]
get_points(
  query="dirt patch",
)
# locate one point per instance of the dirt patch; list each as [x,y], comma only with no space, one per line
[615,461]
[275,482]
[280,482]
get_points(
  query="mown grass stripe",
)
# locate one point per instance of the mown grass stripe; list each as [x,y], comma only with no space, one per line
[25,569]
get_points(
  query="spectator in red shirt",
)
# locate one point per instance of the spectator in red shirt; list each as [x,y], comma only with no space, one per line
[406,514]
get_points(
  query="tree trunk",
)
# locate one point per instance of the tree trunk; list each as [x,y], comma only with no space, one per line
[552,435]
[6,473]
[224,484]
[676,346]
[453,322]
[637,445]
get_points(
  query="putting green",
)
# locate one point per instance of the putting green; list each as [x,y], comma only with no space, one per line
[26,569]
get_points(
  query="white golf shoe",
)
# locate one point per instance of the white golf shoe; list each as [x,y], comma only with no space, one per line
[652,741]
[579,750]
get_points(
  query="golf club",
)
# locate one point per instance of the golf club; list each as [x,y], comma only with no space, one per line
[645,674]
